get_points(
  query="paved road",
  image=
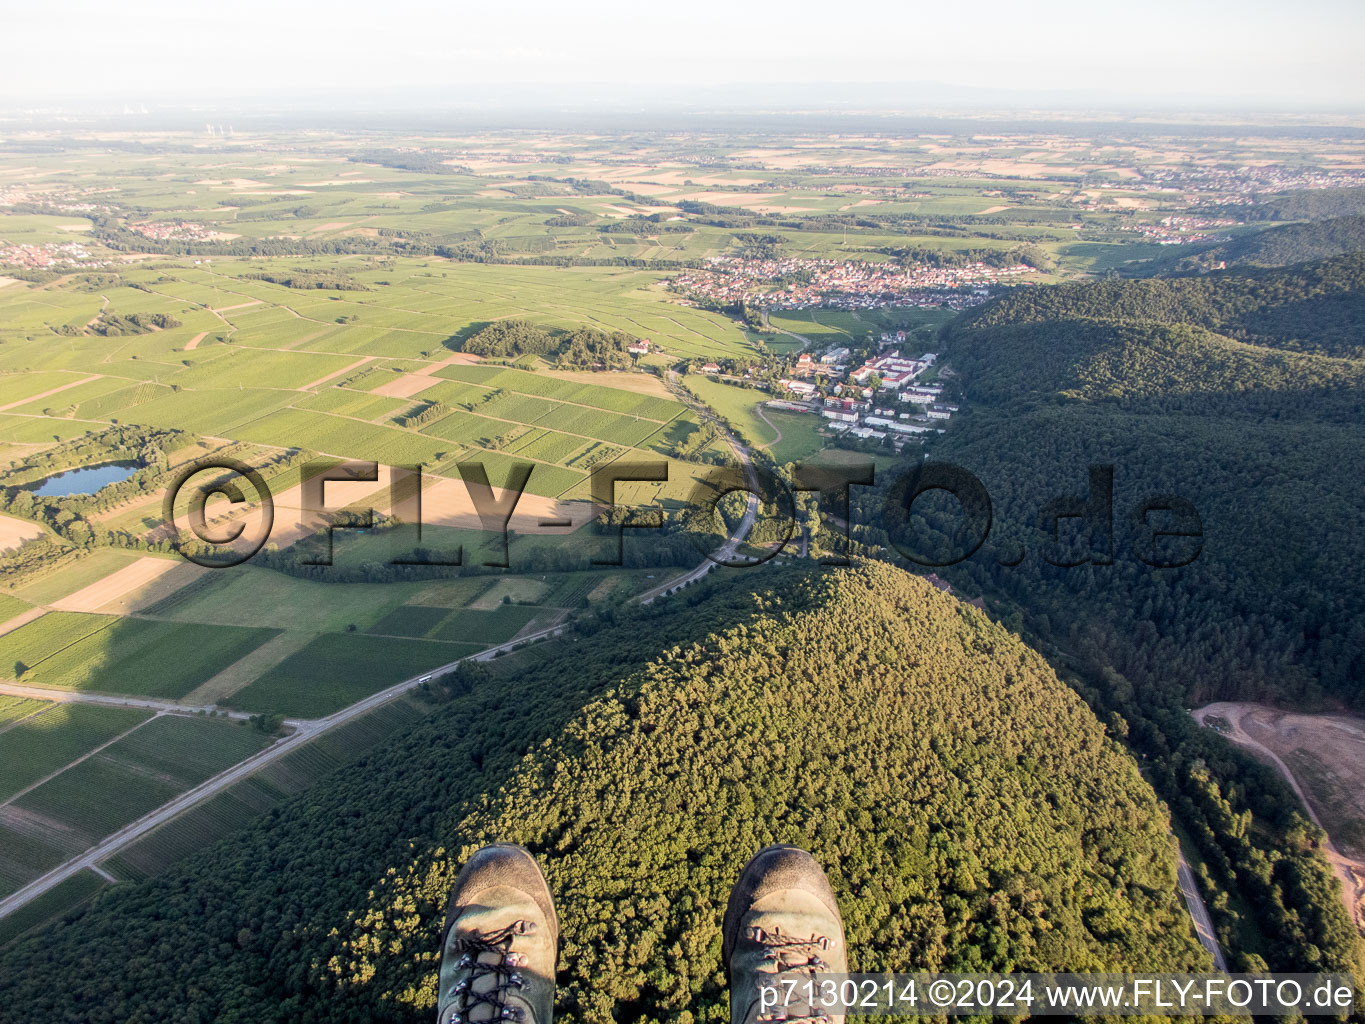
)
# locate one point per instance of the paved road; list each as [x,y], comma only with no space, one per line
[303,732]
[306,730]
[150,703]
[1203,924]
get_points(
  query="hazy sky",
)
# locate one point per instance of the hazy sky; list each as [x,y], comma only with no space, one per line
[1305,51]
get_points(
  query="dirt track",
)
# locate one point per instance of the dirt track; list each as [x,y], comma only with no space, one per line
[1335,740]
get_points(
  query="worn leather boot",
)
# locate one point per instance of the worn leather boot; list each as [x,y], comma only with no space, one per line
[501,940]
[782,922]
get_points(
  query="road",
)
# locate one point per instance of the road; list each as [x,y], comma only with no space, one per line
[758,411]
[1349,871]
[746,523]
[1203,924]
[151,704]
[303,732]
[306,730]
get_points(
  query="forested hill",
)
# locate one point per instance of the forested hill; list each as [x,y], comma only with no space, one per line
[1179,368]
[1316,307]
[1294,243]
[1266,443]
[971,811]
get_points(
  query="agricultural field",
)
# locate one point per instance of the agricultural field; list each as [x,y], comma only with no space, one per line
[116,654]
[93,770]
[140,772]
[336,670]
[38,746]
[277,298]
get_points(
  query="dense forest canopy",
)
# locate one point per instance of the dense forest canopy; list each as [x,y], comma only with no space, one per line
[1294,243]
[585,347]
[971,811]
[1314,307]
[1264,440]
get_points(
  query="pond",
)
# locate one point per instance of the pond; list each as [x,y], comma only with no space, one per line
[86,480]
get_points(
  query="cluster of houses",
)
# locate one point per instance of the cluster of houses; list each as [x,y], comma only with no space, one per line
[872,402]
[798,283]
[177,230]
[57,200]
[1178,230]
[42,257]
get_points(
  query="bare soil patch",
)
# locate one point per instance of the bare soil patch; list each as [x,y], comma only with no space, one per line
[14,531]
[249,668]
[135,600]
[1322,757]
[407,385]
[117,584]
[193,343]
[640,383]
[240,305]
[446,502]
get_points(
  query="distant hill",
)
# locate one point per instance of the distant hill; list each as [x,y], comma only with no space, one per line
[1295,243]
[1266,442]
[1306,204]
[1314,307]
[1280,246]
[971,811]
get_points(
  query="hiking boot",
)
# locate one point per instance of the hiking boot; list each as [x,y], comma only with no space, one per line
[782,922]
[501,939]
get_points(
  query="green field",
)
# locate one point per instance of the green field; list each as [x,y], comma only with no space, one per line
[250,596]
[336,670]
[45,743]
[74,650]
[14,708]
[800,439]
[140,772]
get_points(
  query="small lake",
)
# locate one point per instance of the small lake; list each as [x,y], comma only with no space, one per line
[86,480]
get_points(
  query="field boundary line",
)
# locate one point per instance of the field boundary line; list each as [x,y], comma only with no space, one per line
[84,757]
[215,688]
[48,394]
[73,643]
[22,619]
[32,714]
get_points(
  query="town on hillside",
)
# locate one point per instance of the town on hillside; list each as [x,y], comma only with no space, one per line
[800,283]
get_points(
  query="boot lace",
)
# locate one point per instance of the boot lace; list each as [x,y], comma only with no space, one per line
[477,949]
[792,956]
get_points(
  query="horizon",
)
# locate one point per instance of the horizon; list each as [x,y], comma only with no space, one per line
[1220,56]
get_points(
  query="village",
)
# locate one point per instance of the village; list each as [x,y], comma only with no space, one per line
[177,231]
[800,283]
[887,399]
[55,254]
